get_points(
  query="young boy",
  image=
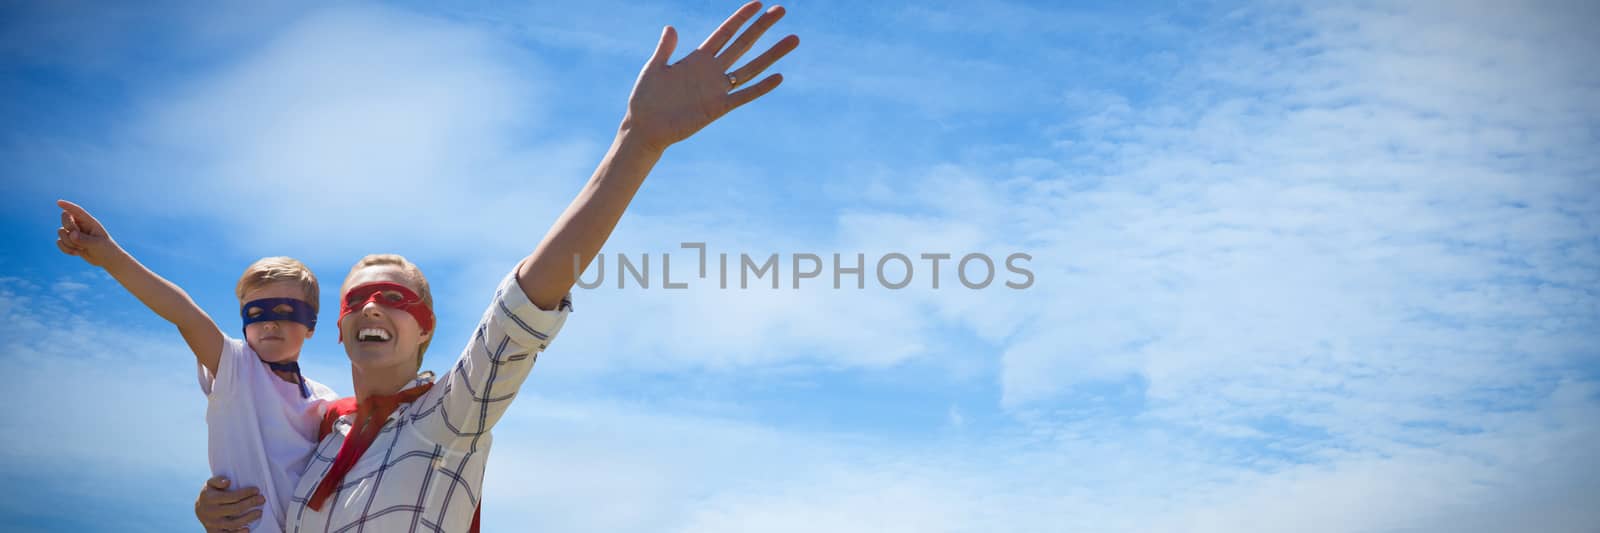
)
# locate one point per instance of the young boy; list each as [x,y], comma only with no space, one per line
[261,413]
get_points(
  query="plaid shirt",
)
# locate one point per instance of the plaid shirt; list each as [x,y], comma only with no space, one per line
[424,472]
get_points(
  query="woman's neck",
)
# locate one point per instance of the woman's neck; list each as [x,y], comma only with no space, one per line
[380,381]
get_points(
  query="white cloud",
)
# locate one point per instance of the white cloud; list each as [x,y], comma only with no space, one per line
[1294,231]
[107,397]
[67,288]
[412,118]
[593,463]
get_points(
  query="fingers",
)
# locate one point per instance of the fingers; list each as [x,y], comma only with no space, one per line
[669,42]
[218,482]
[67,223]
[241,496]
[66,249]
[756,66]
[750,36]
[217,508]
[724,32]
[69,234]
[68,244]
[216,496]
[228,513]
[749,94]
[85,222]
[79,229]
[231,523]
[234,523]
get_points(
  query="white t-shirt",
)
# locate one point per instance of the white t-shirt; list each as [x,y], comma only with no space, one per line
[261,432]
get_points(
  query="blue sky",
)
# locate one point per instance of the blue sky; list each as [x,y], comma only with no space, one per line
[1326,267]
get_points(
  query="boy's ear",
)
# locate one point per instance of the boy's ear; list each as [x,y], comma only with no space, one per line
[310,332]
[424,337]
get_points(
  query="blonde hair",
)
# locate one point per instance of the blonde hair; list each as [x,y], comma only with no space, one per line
[269,270]
[411,272]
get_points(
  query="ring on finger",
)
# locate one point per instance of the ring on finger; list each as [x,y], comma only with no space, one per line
[733,81]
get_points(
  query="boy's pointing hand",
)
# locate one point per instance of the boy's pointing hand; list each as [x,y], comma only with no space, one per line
[82,235]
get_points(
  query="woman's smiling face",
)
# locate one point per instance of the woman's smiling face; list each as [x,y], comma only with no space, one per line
[377,335]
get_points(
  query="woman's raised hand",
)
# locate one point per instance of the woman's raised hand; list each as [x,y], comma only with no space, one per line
[670,102]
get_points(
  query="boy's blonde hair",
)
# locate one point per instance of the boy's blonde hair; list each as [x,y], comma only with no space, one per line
[411,271]
[268,270]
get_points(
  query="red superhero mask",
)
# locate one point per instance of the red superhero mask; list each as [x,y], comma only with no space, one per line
[388,294]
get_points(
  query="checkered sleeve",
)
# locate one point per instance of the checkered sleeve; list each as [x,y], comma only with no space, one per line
[469,398]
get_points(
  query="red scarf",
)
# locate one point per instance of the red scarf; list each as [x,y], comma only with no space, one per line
[370,417]
[361,437]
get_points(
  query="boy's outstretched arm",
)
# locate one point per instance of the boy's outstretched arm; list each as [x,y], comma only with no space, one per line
[83,236]
[670,102]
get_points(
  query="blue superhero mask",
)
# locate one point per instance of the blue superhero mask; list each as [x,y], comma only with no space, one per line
[269,309]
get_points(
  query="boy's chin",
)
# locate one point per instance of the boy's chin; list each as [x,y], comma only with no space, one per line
[285,358]
[271,355]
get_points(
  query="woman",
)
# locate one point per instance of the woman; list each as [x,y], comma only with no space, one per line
[408,454]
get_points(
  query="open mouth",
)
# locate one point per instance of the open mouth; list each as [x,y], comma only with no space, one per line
[373,335]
